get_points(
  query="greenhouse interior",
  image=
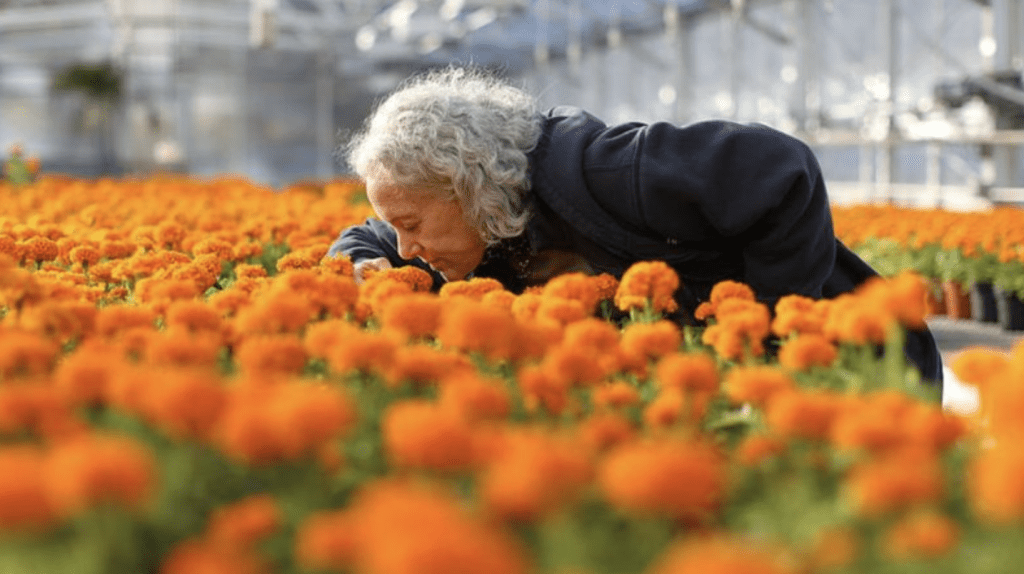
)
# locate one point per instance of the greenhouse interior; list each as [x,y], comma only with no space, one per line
[765,315]
[911,101]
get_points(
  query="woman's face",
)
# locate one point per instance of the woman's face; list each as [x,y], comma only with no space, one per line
[429,226]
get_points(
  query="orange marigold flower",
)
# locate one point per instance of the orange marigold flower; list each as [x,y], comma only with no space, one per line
[525,306]
[604,431]
[560,311]
[574,286]
[684,480]
[873,422]
[540,389]
[337,265]
[84,472]
[979,366]
[994,487]
[282,422]
[574,365]
[83,375]
[806,415]
[755,384]
[534,475]
[423,364]
[280,312]
[214,246]
[666,410]
[474,288]
[85,255]
[194,316]
[687,372]
[475,327]
[721,291]
[282,354]
[606,284]
[186,403]
[922,534]
[720,554]
[413,315]
[904,296]
[615,395]
[796,313]
[363,351]
[648,282]
[199,556]
[25,354]
[474,397]
[40,249]
[499,298]
[327,539]
[422,435]
[806,351]
[834,547]
[246,270]
[896,481]
[757,448]
[850,319]
[176,346]
[243,523]
[651,340]
[25,503]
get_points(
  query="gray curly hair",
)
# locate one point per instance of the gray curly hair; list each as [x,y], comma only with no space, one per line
[462,129]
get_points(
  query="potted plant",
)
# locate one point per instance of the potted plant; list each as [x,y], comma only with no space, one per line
[953,269]
[981,272]
[1009,291]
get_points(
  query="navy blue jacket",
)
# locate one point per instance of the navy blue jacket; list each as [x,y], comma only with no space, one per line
[715,200]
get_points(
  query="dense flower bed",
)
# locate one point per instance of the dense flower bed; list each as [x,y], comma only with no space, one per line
[188,386]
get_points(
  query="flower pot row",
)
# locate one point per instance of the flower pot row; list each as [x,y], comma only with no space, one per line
[982,302]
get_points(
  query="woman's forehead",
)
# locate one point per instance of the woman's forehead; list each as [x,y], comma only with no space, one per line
[393,200]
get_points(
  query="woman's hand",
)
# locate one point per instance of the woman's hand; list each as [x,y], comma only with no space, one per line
[359,269]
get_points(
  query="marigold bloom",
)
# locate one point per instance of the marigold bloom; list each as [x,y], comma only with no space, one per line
[574,365]
[246,270]
[666,409]
[402,528]
[40,249]
[834,547]
[806,351]
[176,346]
[723,290]
[615,395]
[651,340]
[574,286]
[606,285]
[201,557]
[684,480]
[756,449]
[687,372]
[413,315]
[245,522]
[81,473]
[994,487]
[533,476]
[25,354]
[719,554]
[874,422]
[540,389]
[501,299]
[363,351]
[652,282]
[422,435]
[896,481]
[560,311]
[85,255]
[25,503]
[922,534]
[474,288]
[604,431]
[194,316]
[281,422]
[475,327]
[83,375]
[904,296]
[283,354]
[797,314]
[802,414]
[474,397]
[280,312]
[979,366]
[422,364]
[755,384]
[525,306]
[338,265]
[184,403]
[850,319]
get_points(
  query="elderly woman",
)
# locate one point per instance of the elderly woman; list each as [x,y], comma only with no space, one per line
[470,179]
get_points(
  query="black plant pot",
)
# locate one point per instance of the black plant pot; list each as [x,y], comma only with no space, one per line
[1011,310]
[983,303]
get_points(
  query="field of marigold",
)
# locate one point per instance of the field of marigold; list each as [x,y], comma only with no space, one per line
[187,385]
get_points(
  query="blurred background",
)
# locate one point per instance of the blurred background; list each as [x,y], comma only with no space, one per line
[904,100]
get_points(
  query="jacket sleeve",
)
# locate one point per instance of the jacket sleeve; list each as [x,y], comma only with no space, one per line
[373,239]
[746,189]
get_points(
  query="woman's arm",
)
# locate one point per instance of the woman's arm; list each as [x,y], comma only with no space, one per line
[376,240]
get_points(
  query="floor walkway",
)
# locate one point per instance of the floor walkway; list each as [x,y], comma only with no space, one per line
[953,335]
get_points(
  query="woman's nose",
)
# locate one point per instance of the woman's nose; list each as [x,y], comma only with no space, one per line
[408,249]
